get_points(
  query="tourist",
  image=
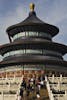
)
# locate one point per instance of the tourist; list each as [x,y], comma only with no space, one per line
[32,84]
[37,92]
[21,93]
[28,89]
[23,84]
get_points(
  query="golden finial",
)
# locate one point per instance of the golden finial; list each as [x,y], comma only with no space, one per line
[32,5]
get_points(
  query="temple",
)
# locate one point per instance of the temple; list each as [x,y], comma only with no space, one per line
[31,52]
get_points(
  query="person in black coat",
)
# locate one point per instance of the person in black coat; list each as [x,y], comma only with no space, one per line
[21,92]
[23,84]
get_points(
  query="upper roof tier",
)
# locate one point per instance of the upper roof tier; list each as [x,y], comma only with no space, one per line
[32,23]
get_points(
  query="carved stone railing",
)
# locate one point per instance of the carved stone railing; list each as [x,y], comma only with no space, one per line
[48,88]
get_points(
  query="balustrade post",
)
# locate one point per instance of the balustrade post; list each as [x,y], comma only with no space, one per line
[52,78]
[61,78]
[58,86]
[65,95]
[14,77]
[9,87]
[2,96]
[51,94]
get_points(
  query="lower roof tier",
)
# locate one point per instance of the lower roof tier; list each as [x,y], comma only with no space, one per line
[33,60]
[33,44]
[34,56]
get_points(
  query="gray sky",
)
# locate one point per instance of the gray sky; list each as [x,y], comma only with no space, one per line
[50,11]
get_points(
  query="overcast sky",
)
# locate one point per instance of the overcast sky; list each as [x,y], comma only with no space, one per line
[50,11]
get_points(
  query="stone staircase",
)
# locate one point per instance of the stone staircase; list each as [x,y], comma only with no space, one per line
[43,95]
[10,86]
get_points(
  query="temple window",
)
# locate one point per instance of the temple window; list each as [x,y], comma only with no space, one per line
[29,34]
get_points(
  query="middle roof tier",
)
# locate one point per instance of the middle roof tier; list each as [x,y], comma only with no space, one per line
[33,44]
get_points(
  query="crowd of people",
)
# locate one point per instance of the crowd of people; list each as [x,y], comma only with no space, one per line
[31,85]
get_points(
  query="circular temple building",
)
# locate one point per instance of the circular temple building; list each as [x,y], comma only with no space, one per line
[31,50]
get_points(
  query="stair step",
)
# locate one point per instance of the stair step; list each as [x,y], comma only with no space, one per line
[43,95]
